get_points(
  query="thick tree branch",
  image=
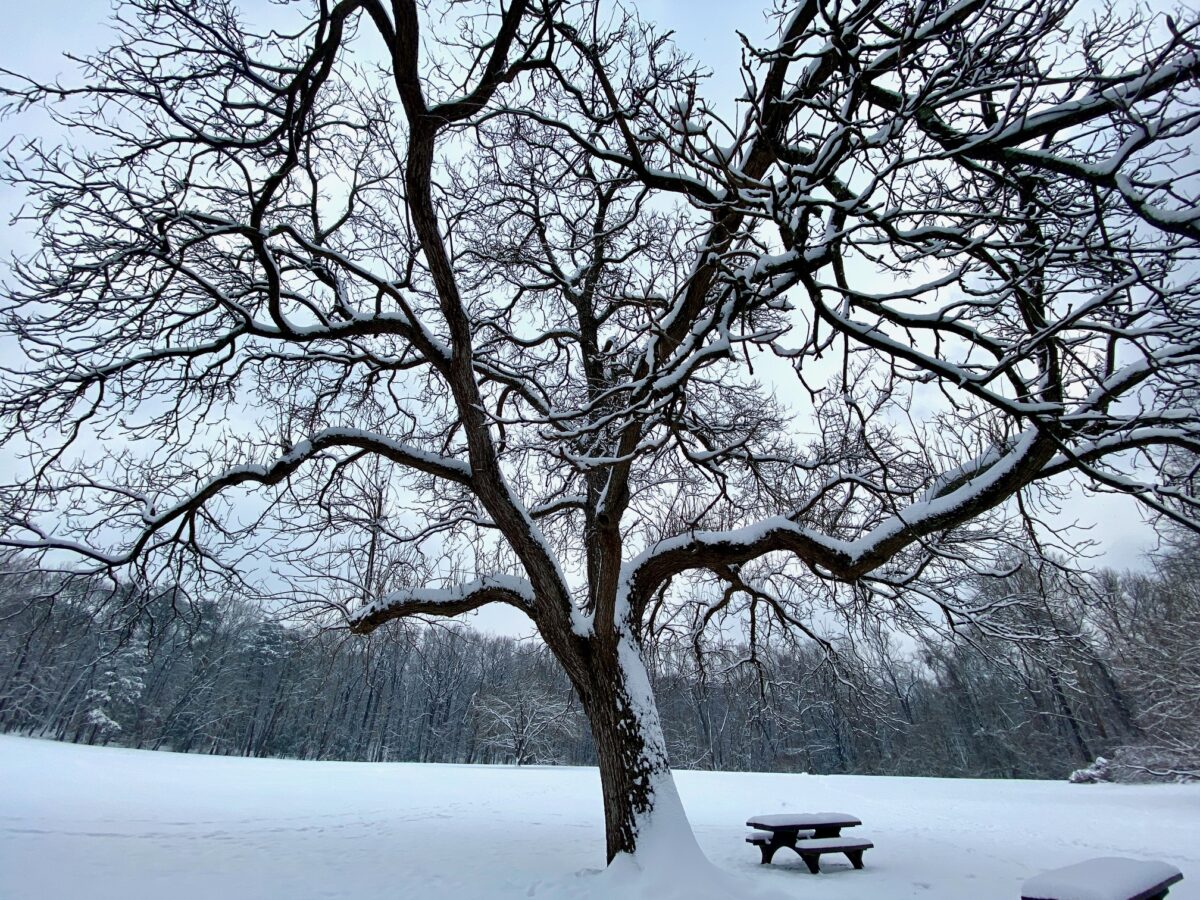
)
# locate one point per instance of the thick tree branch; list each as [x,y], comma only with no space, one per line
[452,601]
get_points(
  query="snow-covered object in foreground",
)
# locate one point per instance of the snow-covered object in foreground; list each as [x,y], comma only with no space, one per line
[1106,878]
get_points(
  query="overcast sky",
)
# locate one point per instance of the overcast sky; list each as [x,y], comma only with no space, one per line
[38,32]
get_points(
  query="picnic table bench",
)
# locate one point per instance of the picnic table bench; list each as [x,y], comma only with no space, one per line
[809,834]
[1105,878]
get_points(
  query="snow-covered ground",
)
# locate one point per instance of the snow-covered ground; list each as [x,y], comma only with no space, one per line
[79,822]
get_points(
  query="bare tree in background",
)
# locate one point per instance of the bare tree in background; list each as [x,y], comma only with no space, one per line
[520,722]
[510,258]
[1149,623]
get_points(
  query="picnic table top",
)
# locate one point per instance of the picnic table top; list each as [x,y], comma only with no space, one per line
[797,821]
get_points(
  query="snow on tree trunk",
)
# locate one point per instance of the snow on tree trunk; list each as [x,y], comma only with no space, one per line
[643,813]
[652,852]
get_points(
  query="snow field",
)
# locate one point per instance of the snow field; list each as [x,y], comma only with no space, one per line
[113,824]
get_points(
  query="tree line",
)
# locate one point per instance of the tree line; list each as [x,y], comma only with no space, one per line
[1110,666]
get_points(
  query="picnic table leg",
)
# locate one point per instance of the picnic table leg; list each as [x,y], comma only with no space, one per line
[855,857]
[777,842]
[827,831]
[813,861]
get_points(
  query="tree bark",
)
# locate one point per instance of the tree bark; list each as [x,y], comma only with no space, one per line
[642,811]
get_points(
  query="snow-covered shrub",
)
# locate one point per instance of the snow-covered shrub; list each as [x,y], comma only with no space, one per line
[1098,771]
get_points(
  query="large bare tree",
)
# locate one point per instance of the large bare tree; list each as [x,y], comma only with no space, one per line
[504,265]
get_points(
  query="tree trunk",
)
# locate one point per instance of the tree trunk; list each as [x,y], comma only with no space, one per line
[642,810]
[1084,751]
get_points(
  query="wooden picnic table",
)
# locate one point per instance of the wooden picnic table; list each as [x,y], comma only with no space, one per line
[1106,878]
[809,834]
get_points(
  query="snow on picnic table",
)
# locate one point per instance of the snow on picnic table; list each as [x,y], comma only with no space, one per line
[81,822]
[1104,878]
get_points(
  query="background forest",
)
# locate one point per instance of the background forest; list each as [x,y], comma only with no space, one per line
[1110,665]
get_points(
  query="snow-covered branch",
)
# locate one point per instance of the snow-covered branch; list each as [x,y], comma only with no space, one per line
[451,601]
